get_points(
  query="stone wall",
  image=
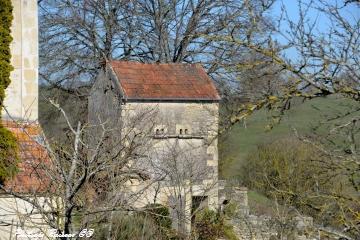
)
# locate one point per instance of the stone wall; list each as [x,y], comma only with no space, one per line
[193,124]
[184,134]
[187,129]
[104,109]
[21,99]
[248,226]
[18,216]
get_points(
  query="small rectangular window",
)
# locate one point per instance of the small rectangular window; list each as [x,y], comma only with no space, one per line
[160,130]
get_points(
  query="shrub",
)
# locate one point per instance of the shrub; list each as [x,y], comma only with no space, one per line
[209,225]
[8,146]
[8,155]
[5,55]
[131,226]
[160,214]
[230,209]
[154,223]
[286,164]
[295,173]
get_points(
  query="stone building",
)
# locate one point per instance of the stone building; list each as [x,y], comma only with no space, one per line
[21,100]
[181,105]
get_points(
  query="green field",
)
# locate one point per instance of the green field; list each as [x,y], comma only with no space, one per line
[240,141]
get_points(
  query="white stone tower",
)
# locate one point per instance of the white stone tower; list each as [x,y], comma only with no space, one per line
[21,99]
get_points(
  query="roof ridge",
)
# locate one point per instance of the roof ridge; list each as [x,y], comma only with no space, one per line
[156,63]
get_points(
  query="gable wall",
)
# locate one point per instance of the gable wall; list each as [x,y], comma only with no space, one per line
[104,102]
[104,111]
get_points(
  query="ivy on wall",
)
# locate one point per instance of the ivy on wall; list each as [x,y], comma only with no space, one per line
[8,145]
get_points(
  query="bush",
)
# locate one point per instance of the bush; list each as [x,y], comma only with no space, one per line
[8,146]
[209,225]
[294,173]
[230,209]
[286,164]
[154,223]
[5,55]
[8,155]
[160,214]
[131,226]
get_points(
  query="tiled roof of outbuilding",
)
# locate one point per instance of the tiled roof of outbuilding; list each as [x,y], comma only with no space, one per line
[164,81]
[33,157]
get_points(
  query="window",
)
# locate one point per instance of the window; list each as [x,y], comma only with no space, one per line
[160,130]
[183,130]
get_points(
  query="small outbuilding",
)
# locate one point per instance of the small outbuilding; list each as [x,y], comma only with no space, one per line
[174,107]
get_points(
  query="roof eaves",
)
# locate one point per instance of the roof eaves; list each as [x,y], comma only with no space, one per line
[117,81]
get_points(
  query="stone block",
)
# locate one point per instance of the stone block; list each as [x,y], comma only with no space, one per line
[16,61]
[212,163]
[22,94]
[30,75]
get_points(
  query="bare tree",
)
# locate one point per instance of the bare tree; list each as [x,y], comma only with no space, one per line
[80,185]
[184,179]
[323,62]
[77,37]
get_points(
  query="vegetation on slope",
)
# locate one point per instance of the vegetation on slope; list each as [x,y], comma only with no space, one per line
[8,146]
[290,165]
[244,138]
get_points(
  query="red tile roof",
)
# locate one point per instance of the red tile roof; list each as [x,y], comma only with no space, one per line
[31,176]
[164,81]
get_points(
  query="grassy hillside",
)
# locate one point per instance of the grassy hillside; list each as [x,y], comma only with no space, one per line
[241,140]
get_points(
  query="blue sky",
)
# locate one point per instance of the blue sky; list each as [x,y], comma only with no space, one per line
[323,22]
[291,6]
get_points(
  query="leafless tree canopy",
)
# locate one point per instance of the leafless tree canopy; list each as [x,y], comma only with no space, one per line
[86,180]
[76,37]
